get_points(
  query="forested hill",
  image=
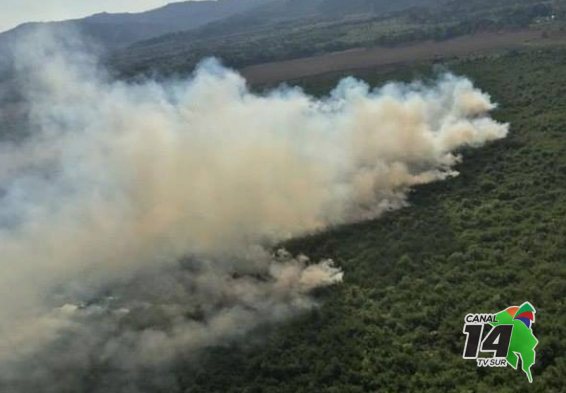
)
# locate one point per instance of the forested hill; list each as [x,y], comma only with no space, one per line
[242,32]
[283,29]
[121,29]
[116,30]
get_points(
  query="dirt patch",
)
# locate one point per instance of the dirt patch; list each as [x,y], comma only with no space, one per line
[386,57]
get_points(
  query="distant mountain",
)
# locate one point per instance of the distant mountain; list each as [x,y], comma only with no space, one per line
[276,11]
[115,30]
[122,29]
[242,32]
[266,26]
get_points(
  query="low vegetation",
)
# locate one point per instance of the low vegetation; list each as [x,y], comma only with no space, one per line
[250,40]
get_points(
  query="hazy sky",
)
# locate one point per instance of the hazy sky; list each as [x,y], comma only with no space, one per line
[14,12]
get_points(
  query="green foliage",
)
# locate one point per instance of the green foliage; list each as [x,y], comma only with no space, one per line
[240,42]
[490,238]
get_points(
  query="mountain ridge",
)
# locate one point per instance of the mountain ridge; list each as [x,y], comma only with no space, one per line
[120,29]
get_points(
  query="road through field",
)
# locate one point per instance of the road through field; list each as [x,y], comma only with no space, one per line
[381,56]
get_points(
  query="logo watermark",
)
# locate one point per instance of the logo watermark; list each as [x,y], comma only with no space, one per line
[502,339]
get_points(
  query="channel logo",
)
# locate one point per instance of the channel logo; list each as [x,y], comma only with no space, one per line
[502,339]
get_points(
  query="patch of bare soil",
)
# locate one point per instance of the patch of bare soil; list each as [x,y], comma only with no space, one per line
[376,57]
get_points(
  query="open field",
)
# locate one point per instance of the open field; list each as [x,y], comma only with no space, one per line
[377,57]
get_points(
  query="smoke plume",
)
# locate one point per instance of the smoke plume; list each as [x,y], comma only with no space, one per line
[138,219]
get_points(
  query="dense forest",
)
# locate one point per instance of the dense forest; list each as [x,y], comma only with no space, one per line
[493,237]
[490,238]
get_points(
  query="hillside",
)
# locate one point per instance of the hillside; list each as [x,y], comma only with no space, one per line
[121,29]
[117,30]
[275,31]
[492,237]
[173,38]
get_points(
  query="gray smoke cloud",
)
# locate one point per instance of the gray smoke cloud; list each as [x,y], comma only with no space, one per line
[137,220]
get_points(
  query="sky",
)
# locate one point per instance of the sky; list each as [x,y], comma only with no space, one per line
[14,12]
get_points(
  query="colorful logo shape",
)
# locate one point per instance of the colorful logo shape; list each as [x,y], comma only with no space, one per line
[523,341]
[525,313]
[502,339]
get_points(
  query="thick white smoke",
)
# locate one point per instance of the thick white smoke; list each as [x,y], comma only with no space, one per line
[135,220]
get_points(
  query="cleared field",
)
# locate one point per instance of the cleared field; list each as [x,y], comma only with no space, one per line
[386,57]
